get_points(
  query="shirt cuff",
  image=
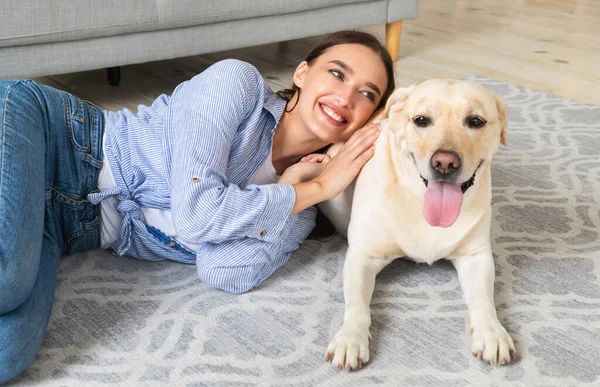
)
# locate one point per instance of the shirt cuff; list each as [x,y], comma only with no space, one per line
[274,222]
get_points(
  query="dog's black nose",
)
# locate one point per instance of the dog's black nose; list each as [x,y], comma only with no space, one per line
[445,162]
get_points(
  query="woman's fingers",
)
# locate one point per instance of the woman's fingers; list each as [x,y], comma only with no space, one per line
[359,135]
[366,156]
[361,143]
[363,134]
[316,158]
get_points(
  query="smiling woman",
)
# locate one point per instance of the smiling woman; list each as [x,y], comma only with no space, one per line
[220,173]
[340,84]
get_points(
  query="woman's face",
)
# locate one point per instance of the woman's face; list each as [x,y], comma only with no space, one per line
[340,91]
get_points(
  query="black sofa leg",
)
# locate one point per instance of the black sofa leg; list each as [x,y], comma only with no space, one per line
[114,75]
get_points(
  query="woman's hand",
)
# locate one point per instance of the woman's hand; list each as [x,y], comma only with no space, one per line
[306,169]
[352,156]
[332,177]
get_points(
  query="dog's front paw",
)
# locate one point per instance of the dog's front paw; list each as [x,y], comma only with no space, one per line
[492,343]
[349,348]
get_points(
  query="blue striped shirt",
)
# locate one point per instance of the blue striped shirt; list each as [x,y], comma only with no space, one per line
[194,153]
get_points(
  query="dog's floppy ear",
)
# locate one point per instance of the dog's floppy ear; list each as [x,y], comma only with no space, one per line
[397,99]
[503,118]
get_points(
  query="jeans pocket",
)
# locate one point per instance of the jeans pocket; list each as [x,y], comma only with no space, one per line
[74,221]
[86,237]
[78,124]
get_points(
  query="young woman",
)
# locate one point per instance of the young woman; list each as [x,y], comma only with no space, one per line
[222,173]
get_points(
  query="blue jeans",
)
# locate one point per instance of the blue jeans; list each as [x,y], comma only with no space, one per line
[50,155]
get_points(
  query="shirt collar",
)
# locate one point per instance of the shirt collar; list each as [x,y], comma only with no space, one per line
[274,104]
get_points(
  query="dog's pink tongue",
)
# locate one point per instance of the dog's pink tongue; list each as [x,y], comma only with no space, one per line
[442,203]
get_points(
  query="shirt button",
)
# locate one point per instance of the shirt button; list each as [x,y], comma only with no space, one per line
[195,180]
[263,233]
[172,244]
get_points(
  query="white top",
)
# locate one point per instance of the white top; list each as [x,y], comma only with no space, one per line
[160,219]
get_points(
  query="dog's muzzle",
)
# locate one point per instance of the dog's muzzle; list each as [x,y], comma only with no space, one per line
[464,186]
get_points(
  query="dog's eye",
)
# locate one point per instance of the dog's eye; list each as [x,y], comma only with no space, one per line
[421,121]
[475,122]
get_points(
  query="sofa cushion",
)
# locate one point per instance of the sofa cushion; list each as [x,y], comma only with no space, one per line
[180,13]
[43,21]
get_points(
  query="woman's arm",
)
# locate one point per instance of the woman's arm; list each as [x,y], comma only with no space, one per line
[204,116]
[240,265]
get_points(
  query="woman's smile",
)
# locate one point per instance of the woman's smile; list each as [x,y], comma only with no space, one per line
[333,114]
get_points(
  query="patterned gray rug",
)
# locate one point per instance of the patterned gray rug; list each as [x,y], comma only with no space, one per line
[119,321]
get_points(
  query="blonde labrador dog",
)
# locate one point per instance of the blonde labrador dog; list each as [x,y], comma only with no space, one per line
[425,195]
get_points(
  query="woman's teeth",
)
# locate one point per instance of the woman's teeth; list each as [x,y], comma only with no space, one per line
[333,115]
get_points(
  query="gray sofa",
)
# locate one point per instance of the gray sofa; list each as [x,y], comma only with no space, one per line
[43,37]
